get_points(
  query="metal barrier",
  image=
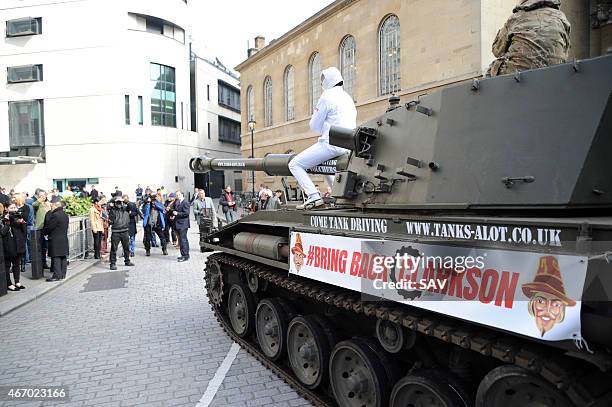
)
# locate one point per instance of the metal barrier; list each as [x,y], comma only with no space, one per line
[80,239]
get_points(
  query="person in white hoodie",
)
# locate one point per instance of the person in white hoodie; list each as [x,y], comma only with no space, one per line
[334,108]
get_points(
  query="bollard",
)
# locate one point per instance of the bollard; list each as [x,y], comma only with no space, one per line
[3,287]
[36,255]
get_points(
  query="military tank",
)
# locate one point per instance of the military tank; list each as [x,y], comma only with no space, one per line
[465,261]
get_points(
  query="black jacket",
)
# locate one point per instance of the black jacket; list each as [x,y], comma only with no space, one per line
[168,216]
[182,218]
[13,237]
[5,200]
[56,229]
[119,217]
[134,213]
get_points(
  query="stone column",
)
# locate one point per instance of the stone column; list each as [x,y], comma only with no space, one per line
[577,12]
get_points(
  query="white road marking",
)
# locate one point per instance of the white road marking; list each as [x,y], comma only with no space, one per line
[217,380]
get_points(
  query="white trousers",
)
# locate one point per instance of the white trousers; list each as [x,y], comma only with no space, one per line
[312,156]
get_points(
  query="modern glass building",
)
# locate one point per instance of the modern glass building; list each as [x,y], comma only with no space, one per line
[103,92]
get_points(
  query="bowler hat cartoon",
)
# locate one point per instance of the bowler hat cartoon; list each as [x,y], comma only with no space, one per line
[548,280]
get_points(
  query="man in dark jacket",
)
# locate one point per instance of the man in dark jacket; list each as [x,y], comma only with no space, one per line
[119,217]
[82,192]
[56,230]
[94,194]
[139,193]
[228,203]
[181,213]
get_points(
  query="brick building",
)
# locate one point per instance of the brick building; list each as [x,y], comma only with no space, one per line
[382,47]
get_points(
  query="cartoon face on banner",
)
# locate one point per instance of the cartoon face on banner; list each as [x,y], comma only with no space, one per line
[547,298]
[298,253]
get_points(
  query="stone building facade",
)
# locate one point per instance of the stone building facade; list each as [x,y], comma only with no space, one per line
[403,47]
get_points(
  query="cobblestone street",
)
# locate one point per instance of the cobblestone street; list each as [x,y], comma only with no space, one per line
[153,342]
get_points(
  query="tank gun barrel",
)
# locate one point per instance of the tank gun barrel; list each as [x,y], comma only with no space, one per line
[271,164]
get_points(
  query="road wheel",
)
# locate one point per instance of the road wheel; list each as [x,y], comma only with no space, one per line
[214,282]
[271,323]
[429,388]
[241,310]
[358,378]
[308,348]
[512,386]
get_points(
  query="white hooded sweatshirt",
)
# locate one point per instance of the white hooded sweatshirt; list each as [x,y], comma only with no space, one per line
[335,106]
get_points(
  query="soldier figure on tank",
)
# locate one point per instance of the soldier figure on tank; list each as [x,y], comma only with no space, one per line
[535,36]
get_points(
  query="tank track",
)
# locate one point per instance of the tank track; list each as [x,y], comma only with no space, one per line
[562,372]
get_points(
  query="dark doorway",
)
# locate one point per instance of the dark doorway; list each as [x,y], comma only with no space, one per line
[198,180]
[212,183]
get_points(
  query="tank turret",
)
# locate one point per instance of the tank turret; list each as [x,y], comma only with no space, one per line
[478,146]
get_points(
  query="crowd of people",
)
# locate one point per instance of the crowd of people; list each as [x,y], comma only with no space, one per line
[265,199]
[113,221]
[165,218]
[21,214]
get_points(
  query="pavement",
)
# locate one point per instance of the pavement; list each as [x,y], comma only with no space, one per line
[37,288]
[141,336]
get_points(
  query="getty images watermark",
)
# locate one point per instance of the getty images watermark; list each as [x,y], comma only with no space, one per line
[405,267]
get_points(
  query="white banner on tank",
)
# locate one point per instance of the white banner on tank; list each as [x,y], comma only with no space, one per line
[529,293]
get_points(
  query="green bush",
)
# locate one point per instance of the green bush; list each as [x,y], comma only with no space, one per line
[76,206]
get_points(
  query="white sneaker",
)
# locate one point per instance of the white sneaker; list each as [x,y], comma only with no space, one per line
[311,204]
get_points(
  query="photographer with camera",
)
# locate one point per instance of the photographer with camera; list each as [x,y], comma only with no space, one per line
[153,221]
[170,229]
[13,232]
[119,217]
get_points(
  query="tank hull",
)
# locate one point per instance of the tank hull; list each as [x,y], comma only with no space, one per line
[481,345]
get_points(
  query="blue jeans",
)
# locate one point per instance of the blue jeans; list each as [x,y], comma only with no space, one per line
[231,216]
[28,240]
[132,245]
[153,240]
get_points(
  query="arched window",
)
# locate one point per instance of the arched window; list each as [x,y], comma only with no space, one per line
[347,63]
[268,102]
[314,79]
[389,55]
[289,99]
[250,103]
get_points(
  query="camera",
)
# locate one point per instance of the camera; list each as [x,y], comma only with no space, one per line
[13,217]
